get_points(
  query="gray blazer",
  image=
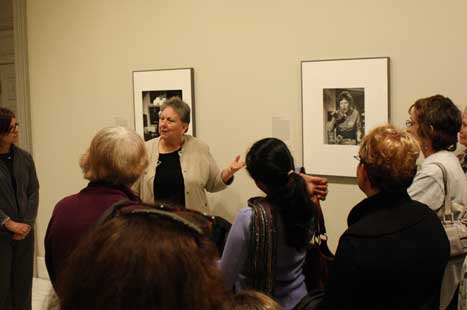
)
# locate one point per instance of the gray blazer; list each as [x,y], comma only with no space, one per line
[199,169]
[27,189]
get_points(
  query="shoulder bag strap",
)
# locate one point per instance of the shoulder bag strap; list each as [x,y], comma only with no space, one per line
[263,245]
[447,197]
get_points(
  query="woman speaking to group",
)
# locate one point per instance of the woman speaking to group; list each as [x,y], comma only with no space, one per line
[181,168]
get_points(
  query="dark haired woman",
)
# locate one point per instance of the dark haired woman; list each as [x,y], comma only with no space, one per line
[19,198]
[435,122]
[265,249]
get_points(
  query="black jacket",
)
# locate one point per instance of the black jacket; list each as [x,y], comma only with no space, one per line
[392,256]
[27,189]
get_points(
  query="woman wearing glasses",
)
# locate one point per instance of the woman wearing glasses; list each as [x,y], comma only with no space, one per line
[393,254]
[19,199]
[435,122]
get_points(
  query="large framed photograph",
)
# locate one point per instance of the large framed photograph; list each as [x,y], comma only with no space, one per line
[341,101]
[151,89]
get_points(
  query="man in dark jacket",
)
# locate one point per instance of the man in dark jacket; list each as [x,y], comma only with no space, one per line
[394,253]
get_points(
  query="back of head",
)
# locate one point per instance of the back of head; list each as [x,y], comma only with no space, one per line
[116,155]
[389,156]
[253,300]
[271,165]
[439,121]
[142,261]
[5,120]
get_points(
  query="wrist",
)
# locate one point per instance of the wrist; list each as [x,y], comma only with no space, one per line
[8,223]
[5,221]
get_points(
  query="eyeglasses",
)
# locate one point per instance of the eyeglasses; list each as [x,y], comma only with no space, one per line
[409,123]
[13,128]
[357,158]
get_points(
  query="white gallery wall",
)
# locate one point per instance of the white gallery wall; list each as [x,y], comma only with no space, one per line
[246,58]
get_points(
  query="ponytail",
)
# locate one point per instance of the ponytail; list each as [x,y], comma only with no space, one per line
[270,163]
[296,209]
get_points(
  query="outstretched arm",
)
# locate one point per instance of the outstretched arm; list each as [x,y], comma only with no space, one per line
[228,172]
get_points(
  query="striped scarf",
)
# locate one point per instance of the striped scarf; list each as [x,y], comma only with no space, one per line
[262,248]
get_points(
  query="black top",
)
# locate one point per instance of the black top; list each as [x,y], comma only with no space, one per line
[392,256]
[7,158]
[168,183]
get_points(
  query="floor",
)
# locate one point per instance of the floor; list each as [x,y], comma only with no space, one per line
[40,292]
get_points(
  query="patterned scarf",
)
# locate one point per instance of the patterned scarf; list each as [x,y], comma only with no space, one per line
[263,244]
[464,161]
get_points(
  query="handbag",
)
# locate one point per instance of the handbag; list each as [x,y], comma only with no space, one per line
[319,258]
[456,228]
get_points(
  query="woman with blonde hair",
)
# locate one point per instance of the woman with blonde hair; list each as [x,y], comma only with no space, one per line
[115,159]
[393,254]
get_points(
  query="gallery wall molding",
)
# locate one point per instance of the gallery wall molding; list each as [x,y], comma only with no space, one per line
[22,74]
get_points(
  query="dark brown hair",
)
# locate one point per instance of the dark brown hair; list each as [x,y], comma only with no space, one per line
[347,96]
[141,261]
[439,121]
[5,120]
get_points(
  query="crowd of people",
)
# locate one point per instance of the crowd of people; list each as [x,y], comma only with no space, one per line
[137,237]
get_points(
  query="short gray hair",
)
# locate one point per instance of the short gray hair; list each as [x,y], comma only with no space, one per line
[116,155]
[179,106]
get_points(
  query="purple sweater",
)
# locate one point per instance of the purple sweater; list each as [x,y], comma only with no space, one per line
[289,286]
[72,218]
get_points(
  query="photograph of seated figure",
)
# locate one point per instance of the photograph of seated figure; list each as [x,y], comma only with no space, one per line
[345,124]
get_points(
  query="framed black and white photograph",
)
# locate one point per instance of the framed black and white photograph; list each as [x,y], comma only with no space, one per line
[151,89]
[341,101]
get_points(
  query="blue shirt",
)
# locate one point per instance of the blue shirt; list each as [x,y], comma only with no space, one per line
[289,286]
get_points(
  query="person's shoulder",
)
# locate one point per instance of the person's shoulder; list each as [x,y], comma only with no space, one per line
[150,143]
[193,142]
[65,203]
[432,164]
[419,207]
[22,152]
[244,215]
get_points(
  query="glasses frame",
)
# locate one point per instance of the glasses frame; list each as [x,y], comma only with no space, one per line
[13,128]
